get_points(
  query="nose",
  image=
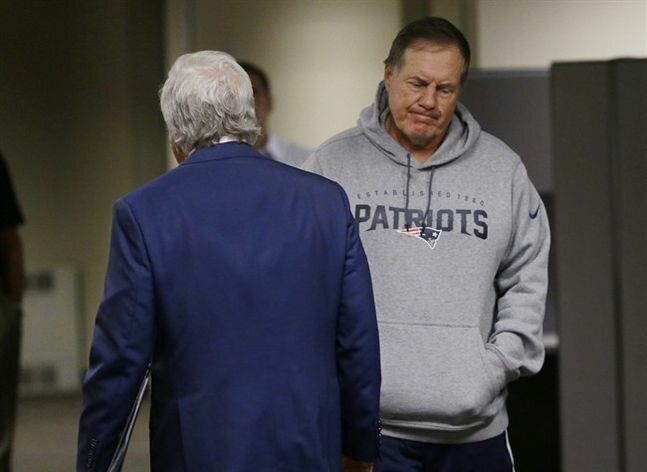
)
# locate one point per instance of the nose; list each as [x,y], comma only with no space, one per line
[428,98]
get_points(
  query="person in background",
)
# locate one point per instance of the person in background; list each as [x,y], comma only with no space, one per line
[12,284]
[268,143]
[457,240]
[243,281]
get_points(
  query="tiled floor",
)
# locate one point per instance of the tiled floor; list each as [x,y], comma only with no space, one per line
[46,436]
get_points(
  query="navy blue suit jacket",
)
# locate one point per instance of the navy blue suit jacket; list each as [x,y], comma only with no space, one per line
[245,282]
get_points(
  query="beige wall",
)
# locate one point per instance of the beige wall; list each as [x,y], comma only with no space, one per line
[534,33]
[78,123]
[324,58]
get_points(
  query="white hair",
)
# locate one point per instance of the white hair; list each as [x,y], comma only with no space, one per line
[206,97]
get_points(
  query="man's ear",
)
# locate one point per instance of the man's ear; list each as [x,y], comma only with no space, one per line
[177,153]
[388,76]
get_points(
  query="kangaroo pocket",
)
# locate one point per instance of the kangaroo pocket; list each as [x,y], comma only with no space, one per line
[436,375]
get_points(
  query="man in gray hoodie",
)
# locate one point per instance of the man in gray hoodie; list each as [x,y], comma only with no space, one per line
[457,240]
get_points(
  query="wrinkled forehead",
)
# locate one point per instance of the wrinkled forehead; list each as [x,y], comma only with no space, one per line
[432,61]
[433,48]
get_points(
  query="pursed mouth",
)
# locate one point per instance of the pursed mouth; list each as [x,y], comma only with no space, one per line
[425,117]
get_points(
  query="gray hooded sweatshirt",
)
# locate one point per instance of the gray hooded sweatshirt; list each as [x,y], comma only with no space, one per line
[460,295]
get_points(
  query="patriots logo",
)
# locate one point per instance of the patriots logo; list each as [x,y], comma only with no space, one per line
[428,235]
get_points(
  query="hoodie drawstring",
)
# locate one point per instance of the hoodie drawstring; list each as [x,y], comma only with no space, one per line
[406,202]
[424,218]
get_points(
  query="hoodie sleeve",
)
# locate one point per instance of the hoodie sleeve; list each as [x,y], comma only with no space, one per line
[516,343]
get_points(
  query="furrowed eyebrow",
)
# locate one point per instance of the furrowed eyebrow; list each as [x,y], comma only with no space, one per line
[419,79]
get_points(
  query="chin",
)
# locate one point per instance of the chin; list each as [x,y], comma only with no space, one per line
[420,140]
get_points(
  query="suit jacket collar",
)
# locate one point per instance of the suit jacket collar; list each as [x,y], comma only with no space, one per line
[222,151]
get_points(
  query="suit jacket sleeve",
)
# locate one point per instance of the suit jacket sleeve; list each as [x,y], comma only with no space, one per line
[122,343]
[358,357]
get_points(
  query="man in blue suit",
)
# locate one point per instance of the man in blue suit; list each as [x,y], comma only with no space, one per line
[244,282]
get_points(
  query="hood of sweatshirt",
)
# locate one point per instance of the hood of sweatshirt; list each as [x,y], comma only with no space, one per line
[463,132]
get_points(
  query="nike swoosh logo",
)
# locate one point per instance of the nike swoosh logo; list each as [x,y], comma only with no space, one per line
[534,215]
